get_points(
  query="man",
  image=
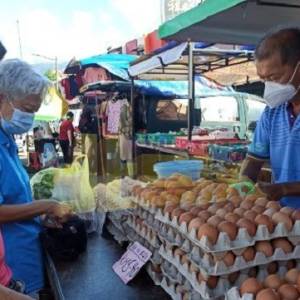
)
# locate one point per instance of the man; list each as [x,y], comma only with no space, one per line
[277,136]
[66,138]
[21,93]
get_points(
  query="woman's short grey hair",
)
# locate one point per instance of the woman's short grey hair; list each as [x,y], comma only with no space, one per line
[18,80]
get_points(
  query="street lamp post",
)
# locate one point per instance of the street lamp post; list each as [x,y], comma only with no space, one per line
[55,65]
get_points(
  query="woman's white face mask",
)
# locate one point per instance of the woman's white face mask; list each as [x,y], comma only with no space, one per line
[276,94]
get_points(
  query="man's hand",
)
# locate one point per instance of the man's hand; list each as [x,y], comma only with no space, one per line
[273,191]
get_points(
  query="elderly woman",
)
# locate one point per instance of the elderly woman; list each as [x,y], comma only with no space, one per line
[21,93]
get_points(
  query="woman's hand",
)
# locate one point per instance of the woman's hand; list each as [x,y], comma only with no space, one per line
[60,212]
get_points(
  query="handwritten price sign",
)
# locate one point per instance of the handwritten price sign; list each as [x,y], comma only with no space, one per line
[131,262]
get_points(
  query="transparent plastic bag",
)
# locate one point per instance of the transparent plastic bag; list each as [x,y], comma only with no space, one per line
[69,185]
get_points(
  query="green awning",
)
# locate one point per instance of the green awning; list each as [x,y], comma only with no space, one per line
[241,22]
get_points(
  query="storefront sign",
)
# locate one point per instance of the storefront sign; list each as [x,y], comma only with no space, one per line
[131,262]
[172,8]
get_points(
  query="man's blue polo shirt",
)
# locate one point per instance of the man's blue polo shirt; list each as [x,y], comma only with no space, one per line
[21,239]
[277,138]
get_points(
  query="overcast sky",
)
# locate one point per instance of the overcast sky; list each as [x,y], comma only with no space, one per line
[80,28]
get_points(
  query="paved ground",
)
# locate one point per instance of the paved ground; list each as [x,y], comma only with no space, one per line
[92,277]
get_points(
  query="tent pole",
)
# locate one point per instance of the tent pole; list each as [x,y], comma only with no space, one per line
[132,102]
[191,87]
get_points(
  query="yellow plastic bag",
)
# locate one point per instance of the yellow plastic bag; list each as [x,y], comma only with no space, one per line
[71,185]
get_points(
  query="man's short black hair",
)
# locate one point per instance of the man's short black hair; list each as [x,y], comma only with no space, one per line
[285,41]
[70,115]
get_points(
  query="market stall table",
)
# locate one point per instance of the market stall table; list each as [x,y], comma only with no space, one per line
[91,276]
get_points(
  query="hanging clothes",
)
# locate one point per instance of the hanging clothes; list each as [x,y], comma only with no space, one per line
[65,83]
[113,115]
[92,75]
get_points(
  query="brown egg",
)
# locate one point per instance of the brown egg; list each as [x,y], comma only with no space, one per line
[229,228]
[280,217]
[265,220]
[247,204]
[186,217]
[284,244]
[214,220]
[296,215]
[195,223]
[288,292]
[221,212]
[273,281]
[239,211]
[265,247]
[195,210]
[228,259]
[193,269]
[184,259]
[177,212]
[232,217]
[248,225]
[187,206]
[205,206]
[258,209]
[229,207]
[251,197]
[232,192]
[235,200]
[249,254]
[250,286]
[270,212]
[211,281]
[178,252]
[291,276]
[291,264]
[287,210]
[170,208]
[261,201]
[213,208]
[298,282]
[274,204]
[253,272]
[210,232]
[250,215]
[204,215]
[272,267]
[233,277]
[267,294]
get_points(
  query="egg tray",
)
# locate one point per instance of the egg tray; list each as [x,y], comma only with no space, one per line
[224,284]
[175,277]
[168,234]
[202,289]
[156,277]
[220,268]
[132,236]
[146,205]
[170,289]
[234,293]
[153,241]
[224,243]
[119,236]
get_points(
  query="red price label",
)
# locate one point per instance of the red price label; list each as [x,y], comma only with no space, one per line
[131,262]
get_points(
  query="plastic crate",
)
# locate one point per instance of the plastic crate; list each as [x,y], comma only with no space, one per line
[230,153]
[191,168]
[142,138]
[161,138]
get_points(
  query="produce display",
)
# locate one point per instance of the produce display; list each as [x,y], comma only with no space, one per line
[211,238]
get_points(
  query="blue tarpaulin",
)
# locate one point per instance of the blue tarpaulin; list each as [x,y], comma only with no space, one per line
[116,64]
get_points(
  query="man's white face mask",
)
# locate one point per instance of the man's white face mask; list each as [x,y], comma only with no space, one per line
[277,93]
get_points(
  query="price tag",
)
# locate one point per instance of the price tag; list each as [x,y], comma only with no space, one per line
[131,262]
